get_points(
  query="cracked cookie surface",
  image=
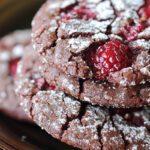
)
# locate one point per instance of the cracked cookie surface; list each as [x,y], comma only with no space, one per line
[12,47]
[78,123]
[65,32]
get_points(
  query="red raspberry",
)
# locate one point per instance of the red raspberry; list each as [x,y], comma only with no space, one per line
[111,57]
[144,12]
[50,88]
[81,12]
[13,67]
[42,84]
[131,31]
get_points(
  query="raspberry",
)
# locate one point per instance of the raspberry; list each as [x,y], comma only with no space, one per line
[111,57]
[81,12]
[131,31]
[13,67]
[50,88]
[144,12]
[42,84]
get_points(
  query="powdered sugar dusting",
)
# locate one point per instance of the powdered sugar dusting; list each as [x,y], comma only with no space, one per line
[145,33]
[122,5]
[81,26]
[79,44]
[133,134]
[140,43]
[105,10]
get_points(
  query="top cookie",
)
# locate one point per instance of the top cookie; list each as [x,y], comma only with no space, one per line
[102,40]
[104,43]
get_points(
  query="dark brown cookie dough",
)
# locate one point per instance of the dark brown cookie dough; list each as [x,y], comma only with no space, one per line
[77,123]
[64,46]
[12,47]
[99,93]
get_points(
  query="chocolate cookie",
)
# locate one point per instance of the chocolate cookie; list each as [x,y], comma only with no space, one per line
[103,46]
[12,47]
[77,123]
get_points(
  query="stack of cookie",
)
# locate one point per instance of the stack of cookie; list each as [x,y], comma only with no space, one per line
[85,77]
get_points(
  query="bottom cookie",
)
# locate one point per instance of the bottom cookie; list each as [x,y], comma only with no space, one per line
[77,123]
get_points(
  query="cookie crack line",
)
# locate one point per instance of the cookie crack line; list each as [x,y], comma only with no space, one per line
[79,116]
[115,12]
[99,129]
[121,133]
[31,107]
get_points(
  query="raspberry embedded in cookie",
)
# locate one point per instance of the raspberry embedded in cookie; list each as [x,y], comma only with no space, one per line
[80,12]
[131,31]
[111,57]
[50,88]
[144,12]
[42,84]
[13,67]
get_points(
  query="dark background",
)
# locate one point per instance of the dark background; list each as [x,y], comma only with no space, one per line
[17,14]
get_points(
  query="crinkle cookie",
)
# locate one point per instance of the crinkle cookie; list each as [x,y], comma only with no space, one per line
[102,45]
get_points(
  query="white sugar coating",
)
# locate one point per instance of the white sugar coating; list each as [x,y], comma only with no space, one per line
[122,5]
[66,83]
[81,26]
[131,133]
[115,26]
[19,68]
[77,134]
[145,33]
[4,69]
[96,116]
[61,4]
[129,14]
[124,77]
[100,37]
[3,95]
[79,44]
[143,59]
[104,10]
[107,96]
[87,99]
[74,105]
[93,1]
[5,55]
[124,17]
[107,130]
[53,25]
[22,36]
[115,37]
[142,43]
[53,108]
[17,51]
[134,147]
[146,70]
